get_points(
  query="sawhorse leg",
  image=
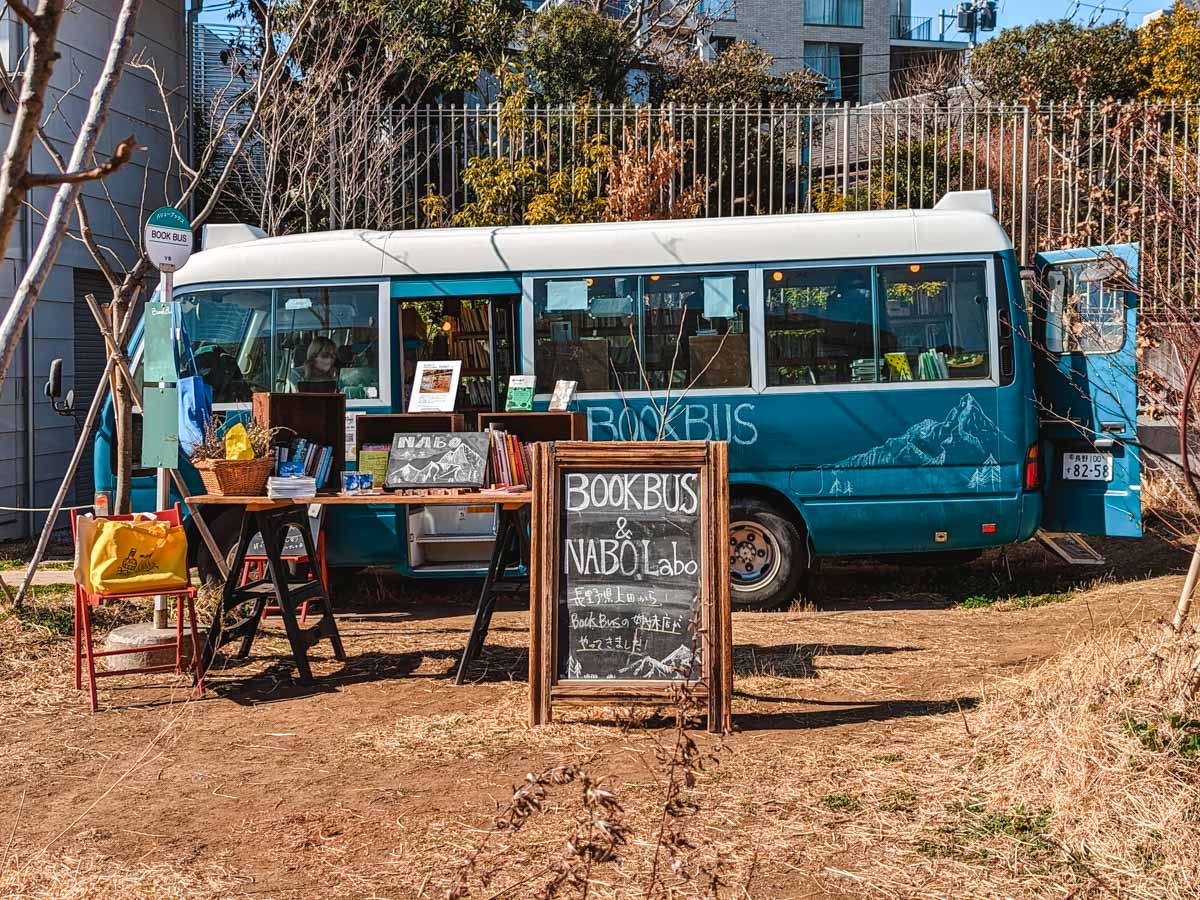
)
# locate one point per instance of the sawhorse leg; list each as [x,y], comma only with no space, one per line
[509,528]
[272,523]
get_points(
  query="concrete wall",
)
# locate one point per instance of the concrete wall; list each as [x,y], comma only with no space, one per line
[777,26]
[83,42]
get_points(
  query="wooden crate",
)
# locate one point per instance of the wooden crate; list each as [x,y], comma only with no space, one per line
[378,429]
[320,418]
[529,427]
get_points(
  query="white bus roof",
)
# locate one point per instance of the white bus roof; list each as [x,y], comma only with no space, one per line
[435,252]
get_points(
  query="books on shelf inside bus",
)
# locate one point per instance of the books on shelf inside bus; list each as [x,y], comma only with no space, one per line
[304,458]
[510,460]
[478,391]
[474,318]
[474,352]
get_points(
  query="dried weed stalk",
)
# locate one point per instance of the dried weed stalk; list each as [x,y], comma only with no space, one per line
[213,446]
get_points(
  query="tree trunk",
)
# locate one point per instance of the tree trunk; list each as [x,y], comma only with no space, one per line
[39,68]
[122,420]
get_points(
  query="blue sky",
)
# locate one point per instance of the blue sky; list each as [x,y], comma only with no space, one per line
[1025,12]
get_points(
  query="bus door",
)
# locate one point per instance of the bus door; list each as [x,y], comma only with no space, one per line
[1085,313]
[474,321]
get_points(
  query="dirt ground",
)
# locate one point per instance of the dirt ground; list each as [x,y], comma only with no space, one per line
[380,780]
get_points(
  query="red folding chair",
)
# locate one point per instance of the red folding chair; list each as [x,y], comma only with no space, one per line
[84,648]
[255,569]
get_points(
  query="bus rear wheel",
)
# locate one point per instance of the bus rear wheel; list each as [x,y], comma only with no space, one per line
[768,556]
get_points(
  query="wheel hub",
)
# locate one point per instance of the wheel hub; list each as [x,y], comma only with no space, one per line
[754,556]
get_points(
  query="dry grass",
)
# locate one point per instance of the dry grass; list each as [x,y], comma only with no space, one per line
[94,877]
[1082,776]
[1165,498]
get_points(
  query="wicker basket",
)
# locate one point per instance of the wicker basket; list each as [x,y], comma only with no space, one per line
[235,477]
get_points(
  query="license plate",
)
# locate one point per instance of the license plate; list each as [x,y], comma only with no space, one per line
[1087,466]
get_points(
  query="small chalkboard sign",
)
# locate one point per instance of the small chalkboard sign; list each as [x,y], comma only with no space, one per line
[631,589]
[437,459]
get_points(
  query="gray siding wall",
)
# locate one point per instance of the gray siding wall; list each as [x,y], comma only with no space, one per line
[777,26]
[83,42]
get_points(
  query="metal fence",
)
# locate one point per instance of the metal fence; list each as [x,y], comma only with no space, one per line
[1060,174]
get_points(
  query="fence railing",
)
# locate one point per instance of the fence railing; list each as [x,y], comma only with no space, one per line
[1060,174]
[912,28]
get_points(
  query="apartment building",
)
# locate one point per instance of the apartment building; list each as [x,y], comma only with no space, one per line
[860,46]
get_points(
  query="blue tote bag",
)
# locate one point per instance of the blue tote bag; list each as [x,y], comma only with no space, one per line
[195,395]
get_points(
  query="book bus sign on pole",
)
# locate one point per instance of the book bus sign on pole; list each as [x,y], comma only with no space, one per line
[168,242]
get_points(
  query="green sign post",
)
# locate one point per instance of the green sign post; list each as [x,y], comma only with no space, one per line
[168,242]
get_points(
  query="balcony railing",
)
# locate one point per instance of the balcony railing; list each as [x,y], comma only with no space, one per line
[911,28]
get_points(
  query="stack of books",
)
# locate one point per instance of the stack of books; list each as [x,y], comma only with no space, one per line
[303,457]
[291,486]
[864,370]
[510,461]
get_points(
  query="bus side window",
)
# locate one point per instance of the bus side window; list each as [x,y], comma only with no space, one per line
[820,326]
[936,319]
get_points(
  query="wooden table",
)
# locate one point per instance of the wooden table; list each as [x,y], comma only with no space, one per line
[273,518]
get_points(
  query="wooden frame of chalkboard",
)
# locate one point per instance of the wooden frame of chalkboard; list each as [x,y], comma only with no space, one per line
[623,634]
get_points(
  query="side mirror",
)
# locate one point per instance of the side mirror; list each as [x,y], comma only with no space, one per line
[53,391]
[54,382]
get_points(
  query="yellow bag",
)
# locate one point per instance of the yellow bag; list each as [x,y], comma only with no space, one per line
[85,536]
[139,556]
[237,443]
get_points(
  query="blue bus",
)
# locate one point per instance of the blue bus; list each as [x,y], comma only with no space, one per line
[879,378]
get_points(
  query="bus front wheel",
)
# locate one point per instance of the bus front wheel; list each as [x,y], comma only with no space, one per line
[768,556]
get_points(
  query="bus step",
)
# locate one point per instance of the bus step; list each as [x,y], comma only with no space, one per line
[1071,547]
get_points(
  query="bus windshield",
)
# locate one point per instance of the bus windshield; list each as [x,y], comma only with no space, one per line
[308,338]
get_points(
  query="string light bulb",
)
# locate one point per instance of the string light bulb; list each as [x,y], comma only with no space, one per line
[914,268]
[777,276]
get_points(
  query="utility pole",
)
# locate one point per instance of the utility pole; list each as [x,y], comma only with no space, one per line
[974,16]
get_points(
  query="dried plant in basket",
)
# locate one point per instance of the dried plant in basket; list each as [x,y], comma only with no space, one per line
[213,446]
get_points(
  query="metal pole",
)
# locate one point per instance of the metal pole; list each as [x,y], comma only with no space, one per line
[162,493]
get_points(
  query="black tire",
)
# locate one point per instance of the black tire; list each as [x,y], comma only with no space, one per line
[768,556]
[225,527]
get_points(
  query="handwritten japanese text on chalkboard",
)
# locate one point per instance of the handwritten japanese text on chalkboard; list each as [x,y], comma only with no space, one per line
[630,575]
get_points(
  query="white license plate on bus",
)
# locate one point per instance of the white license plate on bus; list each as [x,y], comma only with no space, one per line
[1087,466]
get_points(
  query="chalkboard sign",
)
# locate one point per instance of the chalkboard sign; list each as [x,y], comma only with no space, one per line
[437,459]
[631,592]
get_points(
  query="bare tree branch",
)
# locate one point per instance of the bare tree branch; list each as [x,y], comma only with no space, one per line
[25,14]
[39,67]
[120,156]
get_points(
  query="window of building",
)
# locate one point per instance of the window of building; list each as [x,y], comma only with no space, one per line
[934,321]
[717,9]
[639,332]
[841,66]
[820,326]
[834,12]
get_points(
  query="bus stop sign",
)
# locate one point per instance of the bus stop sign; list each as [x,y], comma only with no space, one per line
[168,238]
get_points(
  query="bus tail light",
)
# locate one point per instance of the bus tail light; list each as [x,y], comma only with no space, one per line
[1033,469]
